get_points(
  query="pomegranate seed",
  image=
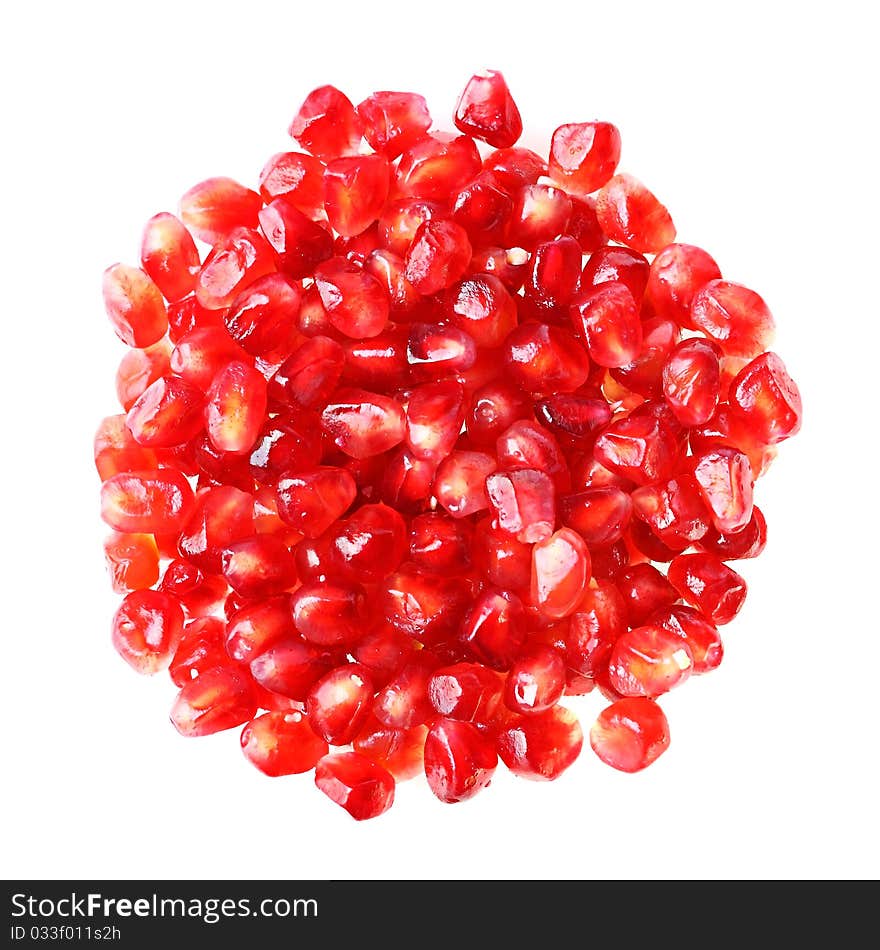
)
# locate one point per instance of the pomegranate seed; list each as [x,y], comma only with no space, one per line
[438,256]
[309,376]
[599,515]
[202,353]
[330,615]
[524,503]
[600,618]
[262,319]
[540,213]
[436,350]
[583,225]
[434,416]
[356,783]
[465,691]
[584,155]
[406,484]
[674,510]
[747,542]
[644,590]
[736,318]
[146,630]
[327,124]
[383,651]
[486,110]
[216,207]
[296,177]
[483,307]
[259,566]
[560,571]
[648,661]
[355,302]
[708,584]
[494,628]
[620,265]
[404,701]
[515,166]
[700,635]
[440,543]
[728,428]
[362,423]
[169,412]
[436,166]
[370,544]
[536,680]
[236,408]
[338,704]
[235,261]
[460,482]
[200,648]
[765,397]
[639,448]
[355,190]
[400,751]
[169,256]
[544,360]
[459,760]
[299,242]
[424,606]
[503,561]
[392,121]
[509,265]
[541,746]
[217,699]
[257,627]
[280,743]
[389,269]
[632,215]
[311,501]
[608,318]
[134,305]
[630,734]
[138,369]
[132,561]
[692,381]
[483,209]
[290,666]
[724,478]
[156,501]
[676,274]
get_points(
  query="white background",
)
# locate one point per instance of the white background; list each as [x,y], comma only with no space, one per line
[755,124]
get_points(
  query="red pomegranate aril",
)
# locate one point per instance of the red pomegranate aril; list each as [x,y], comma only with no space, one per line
[765,397]
[356,783]
[390,270]
[630,214]
[469,692]
[279,743]
[747,542]
[392,121]
[401,219]
[676,274]
[356,304]
[509,265]
[692,381]
[378,363]
[437,165]
[404,701]
[200,594]
[493,629]
[259,566]
[222,515]
[169,256]
[515,166]
[600,618]
[331,614]
[355,190]
[483,209]
[735,317]
[544,360]
[134,306]
[407,480]
[363,423]
[299,242]
[326,124]
[599,515]
[560,572]
[338,704]
[236,406]
[502,560]
[583,225]
[400,751]
[216,207]
[311,501]
[638,448]
[151,501]
[383,651]
[608,318]
[309,376]
[619,265]
[263,317]
[438,542]
[573,416]
[483,307]
[724,478]
[643,544]
[435,350]
[138,369]
[729,428]
[536,681]
[235,261]
[202,353]
[541,746]
[700,635]
[459,760]
[675,511]
[200,648]
[290,666]
[286,442]
[584,155]
[645,591]
[540,213]
[527,444]
[630,734]
[438,256]
[708,584]
[257,627]
[369,544]
[460,482]
[494,407]
[434,417]
[425,606]
[132,561]
[524,503]
[486,110]
[296,177]
[146,630]
[648,661]
[217,699]
[553,276]
[169,412]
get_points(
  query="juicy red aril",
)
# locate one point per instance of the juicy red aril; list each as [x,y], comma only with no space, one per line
[437,435]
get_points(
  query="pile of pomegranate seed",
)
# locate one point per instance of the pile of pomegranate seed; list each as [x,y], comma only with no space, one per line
[424,435]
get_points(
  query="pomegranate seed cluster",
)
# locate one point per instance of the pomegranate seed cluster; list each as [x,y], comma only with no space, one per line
[423,435]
